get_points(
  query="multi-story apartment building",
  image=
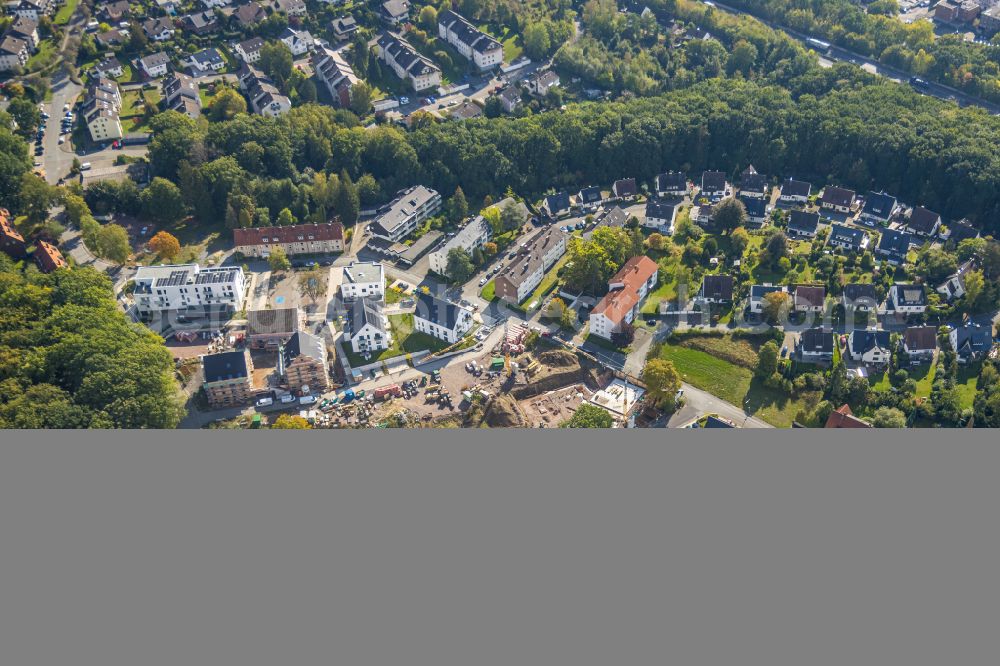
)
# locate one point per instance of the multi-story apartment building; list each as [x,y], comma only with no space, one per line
[333,72]
[296,239]
[101,110]
[228,378]
[302,363]
[626,291]
[14,52]
[400,217]
[534,257]
[189,288]
[369,330]
[474,44]
[406,63]
[441,319]
[11,241]
[468,238]
[363,280]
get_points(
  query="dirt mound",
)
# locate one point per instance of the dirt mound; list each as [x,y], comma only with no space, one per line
[558,358]
[503,412]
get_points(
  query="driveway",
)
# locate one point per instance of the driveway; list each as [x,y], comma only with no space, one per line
[698,403]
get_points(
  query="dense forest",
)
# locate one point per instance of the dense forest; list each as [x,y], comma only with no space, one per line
[70,358]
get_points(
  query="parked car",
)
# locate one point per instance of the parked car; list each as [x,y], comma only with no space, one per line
[264,402]
[482,282]
[287,399]
[307,400]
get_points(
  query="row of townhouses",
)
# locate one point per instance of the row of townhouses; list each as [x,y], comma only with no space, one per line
[17,43]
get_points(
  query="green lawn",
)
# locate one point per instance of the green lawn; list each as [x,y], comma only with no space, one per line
[489,291]
[924,377]
[45,56]
[965,384]
[405,340]
[65,12]
[511,41]
[547,284]
[666,291]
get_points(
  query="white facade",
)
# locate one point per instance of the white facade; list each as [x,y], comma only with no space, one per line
[179,287]
[463,324]
[363,280]
[473,235]
[475,45]
[407,64]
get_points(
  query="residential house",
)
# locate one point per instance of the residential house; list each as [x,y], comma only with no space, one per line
[155,65]
[922,222]
[335,74]
[344,27]
[295,239]
[920,343]
[714,185]
[716,289]
[843,417]
[954,287]
[703,215]
[661,215]
[589,198]
[837,200]
[30,9]
[290,7]
[860,297]
[878,209]
[200,23]
[473,44]
[407,63]
[962,230]
[11,241]
[249,50]
[626,292]
[189,288]
[906,299]
[369,328]
[756,209]
[114,12]
[440,318]
[510,98]
[815,346]
[26,29]
[170,7]
[302,363]
[971,342]
[400,217]
[158,29]
[752,184]
[109,67]
[14,53]
[205,62]
[848,238]
[297,41]
[111,38]
[795,191]
[625,189]
[672,184]
[265,98]
[809,298]
[613,218]
[540,83]
[556,205]
[228,378]
[269,329]
[465,110]
[756,301]
[48,257]
[101,108]
[395,12]
[893,246]
[473,235]
[249,14]
[180,93]
[802,224]
[534,257]
[216,4]
[363,279]
[870,347]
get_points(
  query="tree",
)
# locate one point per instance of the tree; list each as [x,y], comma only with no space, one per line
[492,217]
[458,207]
[589,416]
[655,241]
[776,307]
[935,265]
[767,359]
[730,214]
[285,218]
[113,243]
[276,61]
[361,98]
[166,245]
[428,18]
[662,382]
[226,104]
[624,336]
[278,260]
[739,239]
[537,42]
[36,197]
[512,217]
[490,248]
[459,266]
[888,417]
[290,422]
[26,114]
[162,202]
[776,246]
[313,283]
[974,284]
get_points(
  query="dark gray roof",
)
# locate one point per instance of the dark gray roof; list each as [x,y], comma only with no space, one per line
[894,243]
[225,366]
[713,180]
[817,341]
[663,210]
[803,221]
[910,294]
[838,196]
[795,188]
[303,344]
[860,292]
[862,340]
[589,195]
[719,287]
[848,235]
[973,339]
[962,230]
[751,181]
[756,208]
[367,311]
[672,180]
[557,202]
[437,310]
[625,187]
[922,220]
[879,205]
[759,291]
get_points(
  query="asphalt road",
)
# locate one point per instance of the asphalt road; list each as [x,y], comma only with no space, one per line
[697,403]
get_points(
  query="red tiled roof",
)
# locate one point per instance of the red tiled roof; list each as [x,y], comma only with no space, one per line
[845,418]
[636,272]
[7,226]
[616,304]
[319,232]
[48,256]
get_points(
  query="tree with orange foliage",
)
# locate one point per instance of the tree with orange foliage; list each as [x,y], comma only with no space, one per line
[165,245]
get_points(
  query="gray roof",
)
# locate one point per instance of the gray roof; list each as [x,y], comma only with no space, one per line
[438,311]
[363,273]
[399,210]
[910,294]
[672,180]
[304,344]
[848,235]
[817,341]
[973,339]
[225,366]
[269,322]
[367,311]
[795,188]
[862,340]
[803,221]
[155,59]
[879,205]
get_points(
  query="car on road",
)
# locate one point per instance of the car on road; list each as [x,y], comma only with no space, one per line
[482,281]
[307,400]
[62,140]
[265,402]
[404,100]
[287,399]
[85,166]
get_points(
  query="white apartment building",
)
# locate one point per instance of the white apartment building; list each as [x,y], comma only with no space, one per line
[406,63]
[399,218]
[468,238]
[534,257]
[188,287]
[472,43]
[363,280]
[369,329]
[441,319]
[13,53]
